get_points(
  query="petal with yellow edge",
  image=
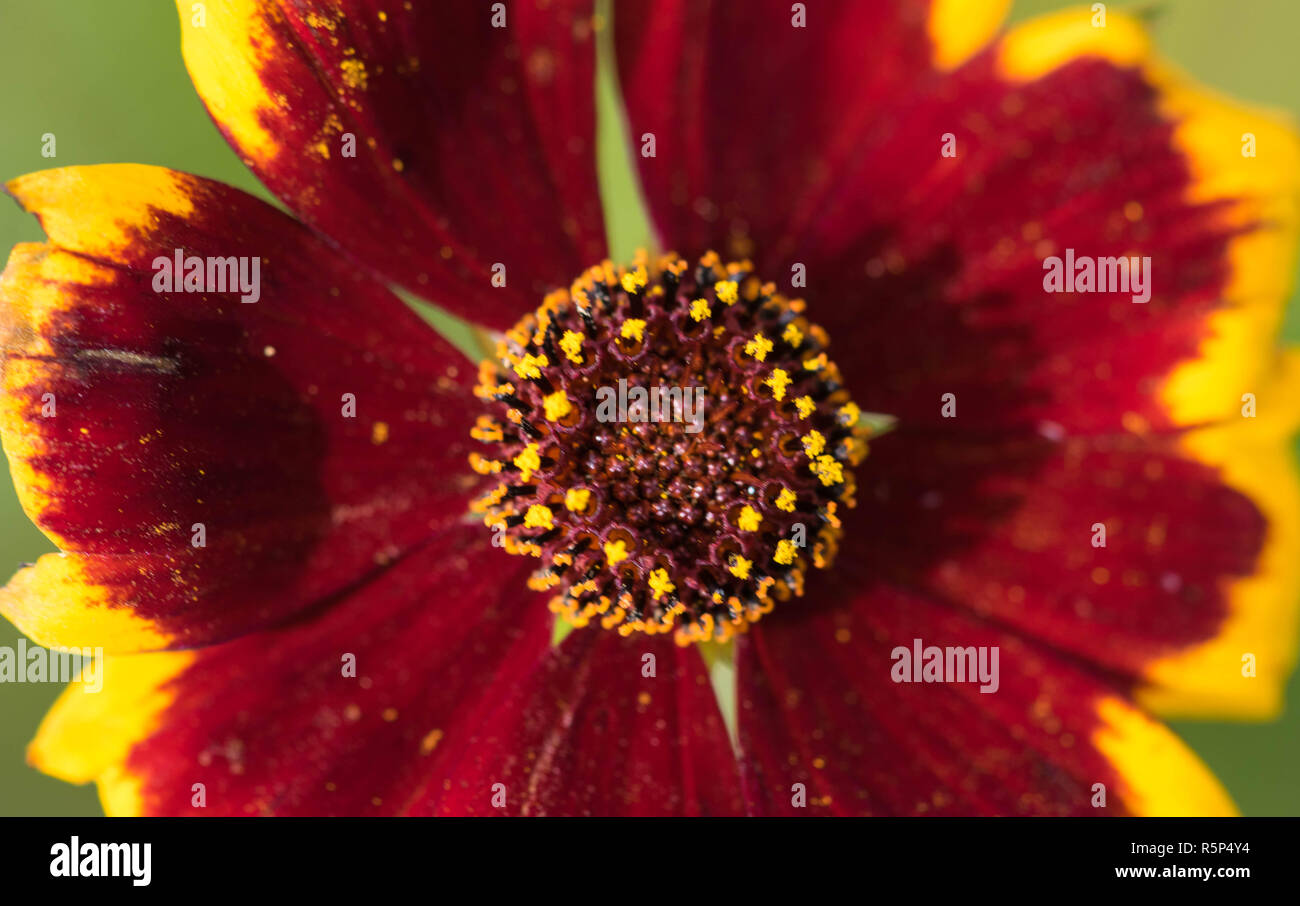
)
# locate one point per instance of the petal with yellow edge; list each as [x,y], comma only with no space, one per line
[409,133]
[211,458]
[824,702]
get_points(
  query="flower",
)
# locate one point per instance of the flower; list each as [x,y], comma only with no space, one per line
[262,508]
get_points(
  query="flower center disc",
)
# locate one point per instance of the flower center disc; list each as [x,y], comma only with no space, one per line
[672,443]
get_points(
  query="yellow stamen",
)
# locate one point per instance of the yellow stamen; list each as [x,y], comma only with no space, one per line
[486,428]
[660,585]
[749,519]
[785,551]
[700,309]
[633,329]
[482,465]
[828,470]
[758,347]
[830,514]
[530,366]
[814,444]
[543,581]
[571,344]
[785,500]
[805,406]
[778,381]
[634,280]
[538,516]
[615,552]
[576,499]
[739,567]
[529,461]
[728,292]
[488,500]
[557,406]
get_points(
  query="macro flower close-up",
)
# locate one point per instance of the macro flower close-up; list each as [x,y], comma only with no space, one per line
[914,437]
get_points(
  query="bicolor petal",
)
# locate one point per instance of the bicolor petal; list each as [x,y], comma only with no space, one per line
[835,720]
[449,147]
[344,713]
[210,465]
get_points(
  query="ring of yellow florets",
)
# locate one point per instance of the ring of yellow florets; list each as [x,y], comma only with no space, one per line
[665,525]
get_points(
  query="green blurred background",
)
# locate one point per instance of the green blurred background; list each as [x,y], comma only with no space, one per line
[106,77]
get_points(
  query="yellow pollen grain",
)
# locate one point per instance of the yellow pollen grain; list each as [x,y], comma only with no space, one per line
[816,364]
[538,516]
[571,344]
[728,292]
[575,499]
[785,500]
[529,461]
[379,433]
[749,519]
[805,405]
[778,381]
[530,366]
[634,280]
[758,347]
[632,329]
[557,406]
[739,567]
[828,470]
[430,742]
[660,584]
[814,444]
[792,334]
[354,74]
[785,551]
[700,309]
[615,552]
[849,414]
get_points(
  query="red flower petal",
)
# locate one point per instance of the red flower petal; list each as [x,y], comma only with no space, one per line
[754,115]
[819,707]
[590,734]
[1081,162]
[174,410]
[450,696]
[347,713]
[794,146]
[1106,157]
[474,145]
[1121,157]
[929,270]
[1129,553]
